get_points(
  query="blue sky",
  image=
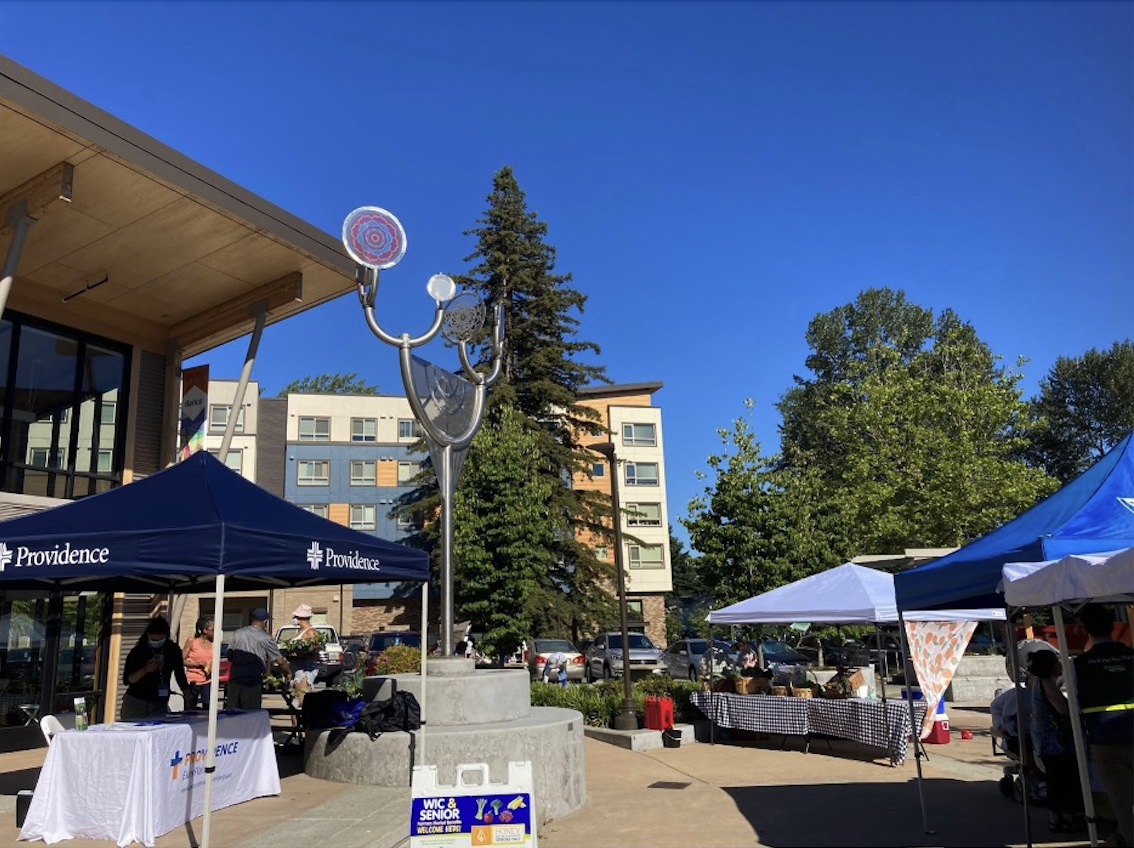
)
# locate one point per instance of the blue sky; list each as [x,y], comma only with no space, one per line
[713,175]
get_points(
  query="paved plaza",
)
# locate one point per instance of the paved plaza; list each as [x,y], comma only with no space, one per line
[733,793]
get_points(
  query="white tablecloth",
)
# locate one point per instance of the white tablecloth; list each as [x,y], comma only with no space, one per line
[133,782]
[858,719]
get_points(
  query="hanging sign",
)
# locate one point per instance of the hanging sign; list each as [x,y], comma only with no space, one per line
[472,814]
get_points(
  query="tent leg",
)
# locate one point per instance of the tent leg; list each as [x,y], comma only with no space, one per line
[1076,726]
[424,654]
[210,752]
[919,752]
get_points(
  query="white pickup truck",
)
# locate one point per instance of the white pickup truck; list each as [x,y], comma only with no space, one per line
[330,661]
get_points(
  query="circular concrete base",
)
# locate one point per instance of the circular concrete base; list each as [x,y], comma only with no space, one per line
[550,738]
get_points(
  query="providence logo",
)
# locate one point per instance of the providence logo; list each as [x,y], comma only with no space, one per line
[22,556]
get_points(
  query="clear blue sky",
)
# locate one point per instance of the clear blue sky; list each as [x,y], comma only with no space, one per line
[713,174]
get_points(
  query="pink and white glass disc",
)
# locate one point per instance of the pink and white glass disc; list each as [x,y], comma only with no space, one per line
[374,237]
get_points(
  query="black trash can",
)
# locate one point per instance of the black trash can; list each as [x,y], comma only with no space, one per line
[23,802]
[671,737]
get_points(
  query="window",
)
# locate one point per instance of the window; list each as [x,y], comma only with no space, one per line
[602,552]
[643,514]
[363,517]
[218,418]
[409,520]
[646,556]
[314,429]
[642,435]
[641,474]
[634,610]
[321,510]
[362,473]
[39,457]
[105,461]
[406,472]
[409,429]
[598,469]
[234,459]
[363,429]
[313,472]
[109,412]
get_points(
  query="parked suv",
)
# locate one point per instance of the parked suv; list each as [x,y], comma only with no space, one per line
[604,656]
[380,640]
[330,661]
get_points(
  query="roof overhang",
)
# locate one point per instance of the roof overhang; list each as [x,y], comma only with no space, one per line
[134,240]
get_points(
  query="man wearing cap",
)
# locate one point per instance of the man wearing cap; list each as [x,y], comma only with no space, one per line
[252,651]
[305,667]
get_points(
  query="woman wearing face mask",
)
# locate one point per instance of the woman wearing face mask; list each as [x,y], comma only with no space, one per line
[149,666]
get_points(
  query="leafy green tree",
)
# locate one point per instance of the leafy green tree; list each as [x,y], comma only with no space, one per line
[1084,408]
[329,384]
[683,565]
[542,374]
[910,430]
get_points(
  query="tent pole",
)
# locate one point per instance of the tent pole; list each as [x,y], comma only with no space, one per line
[1076,725]
[712,691]
[210,752]
[1023,731]
[916,734]
[424,654]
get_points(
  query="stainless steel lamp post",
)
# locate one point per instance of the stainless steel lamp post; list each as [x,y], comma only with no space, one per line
[627,719]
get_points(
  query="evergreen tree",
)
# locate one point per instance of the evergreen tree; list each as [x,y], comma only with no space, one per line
[1084,408]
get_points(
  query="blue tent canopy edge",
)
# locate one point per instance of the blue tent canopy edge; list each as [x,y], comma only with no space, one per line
[1092,513]
[178,529]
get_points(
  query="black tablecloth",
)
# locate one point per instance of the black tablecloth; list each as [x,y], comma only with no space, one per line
[858,719]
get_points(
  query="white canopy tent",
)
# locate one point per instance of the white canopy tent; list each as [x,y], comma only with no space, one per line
[1074,580]
[847,594]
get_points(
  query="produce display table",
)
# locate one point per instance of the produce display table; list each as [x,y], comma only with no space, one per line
[858,719]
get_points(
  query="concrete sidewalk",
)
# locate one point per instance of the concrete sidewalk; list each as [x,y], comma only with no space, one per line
[733,793]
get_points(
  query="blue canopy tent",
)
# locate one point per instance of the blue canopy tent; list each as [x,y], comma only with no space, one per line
[1091,514]
[194,527]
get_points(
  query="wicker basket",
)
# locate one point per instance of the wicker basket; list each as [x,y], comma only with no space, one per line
[779,690]
[751,685]
[802,692]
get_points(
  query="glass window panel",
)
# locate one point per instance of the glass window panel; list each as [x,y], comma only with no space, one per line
[598,469]
[408,428]
[362,473]
[646,556]
[234,459]
[643,435]
[313,429]
[313,472]
[363,516]
[363,430]
[643,514]
[321,510]
[641,474]
[218,418]
[406,472]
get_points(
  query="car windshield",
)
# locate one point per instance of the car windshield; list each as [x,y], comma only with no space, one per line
[777,648]
[638,641]
[544,646]
[381,641]
[290,631]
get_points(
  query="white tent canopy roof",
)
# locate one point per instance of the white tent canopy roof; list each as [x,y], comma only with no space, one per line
[1079,577]
[845,594]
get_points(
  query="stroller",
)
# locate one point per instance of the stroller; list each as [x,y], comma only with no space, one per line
[1006,745]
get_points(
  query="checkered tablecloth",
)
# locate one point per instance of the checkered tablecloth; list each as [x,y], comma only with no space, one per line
[857,719]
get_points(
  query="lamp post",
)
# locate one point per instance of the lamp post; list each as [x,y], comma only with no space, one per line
[627,719]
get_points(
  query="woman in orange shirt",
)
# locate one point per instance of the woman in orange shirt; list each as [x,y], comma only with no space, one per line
[198,656]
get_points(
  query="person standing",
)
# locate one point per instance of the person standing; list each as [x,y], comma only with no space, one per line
[305,666]
[251,652]
[198,657]
[1105,676]
[1052,744]
[147,672]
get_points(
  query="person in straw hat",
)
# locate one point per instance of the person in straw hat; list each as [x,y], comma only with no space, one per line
[305,667]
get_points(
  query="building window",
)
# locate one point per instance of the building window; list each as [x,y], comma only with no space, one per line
[313,472]
[598,469]
[408,428]
[634,610]
[646,556]
[640,435]
[321,510]
[364,429]
[641,474]
[602,553]
[109,412]
[39,457]
[409,520]
[105,461]
[363,517]
[313,429]
[234,459]
[218,418]
[643,514]
[362,473]
[407,471]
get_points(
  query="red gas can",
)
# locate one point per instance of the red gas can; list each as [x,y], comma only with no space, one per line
[653,714]
[665,713]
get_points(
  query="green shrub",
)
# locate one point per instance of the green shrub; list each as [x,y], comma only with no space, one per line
[601,702]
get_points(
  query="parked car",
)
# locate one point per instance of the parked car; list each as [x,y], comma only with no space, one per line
[780,653]
[604,656]
[885,651]
[330,660]
[541,648]
[380,640]
[685,659]
[835,652]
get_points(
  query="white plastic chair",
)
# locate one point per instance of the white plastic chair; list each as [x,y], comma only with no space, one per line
[50,725]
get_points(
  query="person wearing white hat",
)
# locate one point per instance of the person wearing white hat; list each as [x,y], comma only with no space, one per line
[304,666]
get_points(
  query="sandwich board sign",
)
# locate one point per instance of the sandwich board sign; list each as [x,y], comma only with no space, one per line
[472,813]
